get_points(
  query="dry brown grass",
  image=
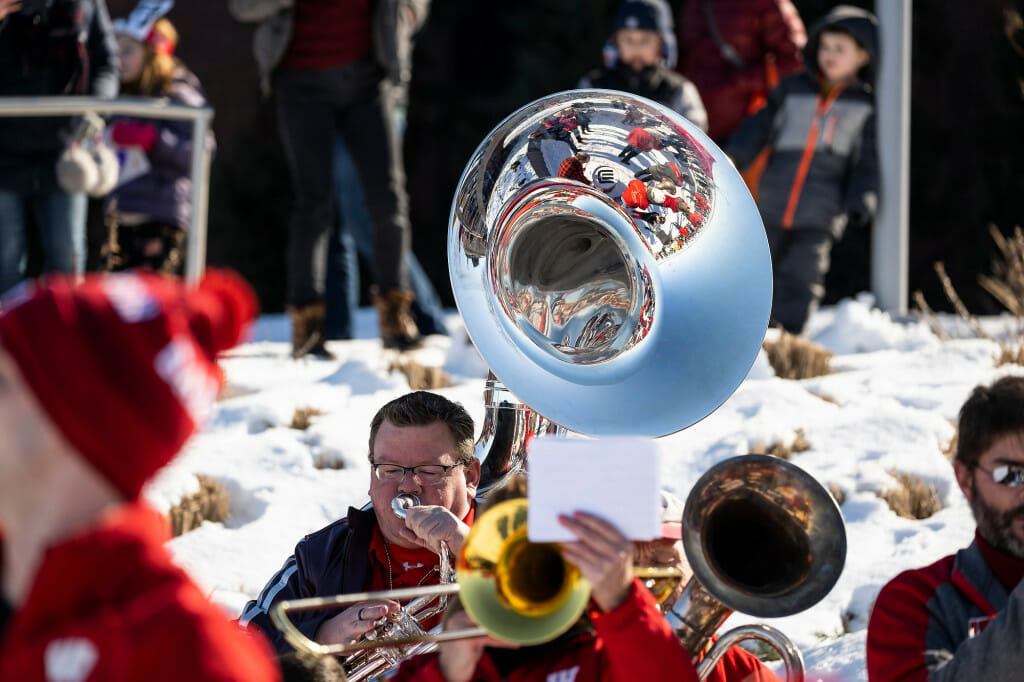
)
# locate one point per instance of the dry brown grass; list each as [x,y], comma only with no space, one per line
[327,461]
[1005,284]
[912,498]
[793,357]
[419,376]
[783,450]
[302,418]
[209,504]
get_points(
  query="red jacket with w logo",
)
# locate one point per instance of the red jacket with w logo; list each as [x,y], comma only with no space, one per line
[632,642]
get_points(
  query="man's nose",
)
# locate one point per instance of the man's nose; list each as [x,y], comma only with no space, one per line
[408,483]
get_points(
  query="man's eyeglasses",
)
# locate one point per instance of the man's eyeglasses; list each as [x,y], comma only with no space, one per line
[1010,475]
[427,474]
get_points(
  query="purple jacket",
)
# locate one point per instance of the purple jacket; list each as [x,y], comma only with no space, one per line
[164,192]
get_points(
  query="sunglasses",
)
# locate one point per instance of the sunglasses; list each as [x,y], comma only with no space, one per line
[1010,475]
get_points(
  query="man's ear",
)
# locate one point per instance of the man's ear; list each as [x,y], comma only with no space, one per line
[472,475]
[963,478]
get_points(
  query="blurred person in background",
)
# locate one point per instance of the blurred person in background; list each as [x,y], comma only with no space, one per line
[351,245]
[338,66]
[639,57]
[47,47]
[735,51]
[821,174]
[148,213]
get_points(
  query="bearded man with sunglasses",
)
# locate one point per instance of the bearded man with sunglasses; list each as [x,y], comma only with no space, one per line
[421,444]
[962,618]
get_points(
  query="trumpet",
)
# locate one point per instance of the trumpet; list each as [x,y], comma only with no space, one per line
[404,625]
[516,590]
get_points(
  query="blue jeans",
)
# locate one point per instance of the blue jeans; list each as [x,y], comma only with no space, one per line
[61,219]
[352,241]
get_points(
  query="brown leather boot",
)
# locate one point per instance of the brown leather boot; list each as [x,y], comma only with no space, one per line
[308,331]
[397,327]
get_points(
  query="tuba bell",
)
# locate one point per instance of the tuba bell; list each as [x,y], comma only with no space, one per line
[763,538]
[609,264]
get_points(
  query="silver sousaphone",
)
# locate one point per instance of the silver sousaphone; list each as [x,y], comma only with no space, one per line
[633,302]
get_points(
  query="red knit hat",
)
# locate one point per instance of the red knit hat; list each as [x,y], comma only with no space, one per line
[125,364]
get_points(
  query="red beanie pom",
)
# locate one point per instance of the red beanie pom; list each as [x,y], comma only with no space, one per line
[221,313]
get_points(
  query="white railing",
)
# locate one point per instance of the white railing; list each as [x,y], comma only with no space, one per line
[195,245]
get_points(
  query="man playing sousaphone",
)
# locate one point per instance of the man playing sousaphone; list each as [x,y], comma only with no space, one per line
[420,444]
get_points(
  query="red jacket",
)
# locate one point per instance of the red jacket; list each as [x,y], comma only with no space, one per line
[631,642]
[643,140]
[109,605]
[755,29]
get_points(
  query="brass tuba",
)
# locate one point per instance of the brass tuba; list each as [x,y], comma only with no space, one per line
[763,538]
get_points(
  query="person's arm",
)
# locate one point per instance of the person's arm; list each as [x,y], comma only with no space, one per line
[783,36]
[908,640]
[8,7]
[629,620]
[740,664]
[104,80]
[687,102]
[861,201]
[288,583]
[756,131]
[637,625]
[173,145]
[251,11]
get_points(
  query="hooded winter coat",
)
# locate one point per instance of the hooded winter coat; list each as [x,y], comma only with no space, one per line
[164,192]
[656,82]
[823,169]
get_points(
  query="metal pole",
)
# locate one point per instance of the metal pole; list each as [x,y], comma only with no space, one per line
[148,107]
[890,239]
[195,258]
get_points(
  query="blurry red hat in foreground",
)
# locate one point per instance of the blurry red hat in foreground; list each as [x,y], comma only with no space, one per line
[125,364]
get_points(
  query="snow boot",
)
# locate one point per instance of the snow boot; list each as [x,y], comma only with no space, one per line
[398,329]
[308,331]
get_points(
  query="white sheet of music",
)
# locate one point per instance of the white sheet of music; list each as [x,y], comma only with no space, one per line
[614,478]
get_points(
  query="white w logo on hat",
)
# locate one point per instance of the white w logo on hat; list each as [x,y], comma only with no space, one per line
[70,659]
